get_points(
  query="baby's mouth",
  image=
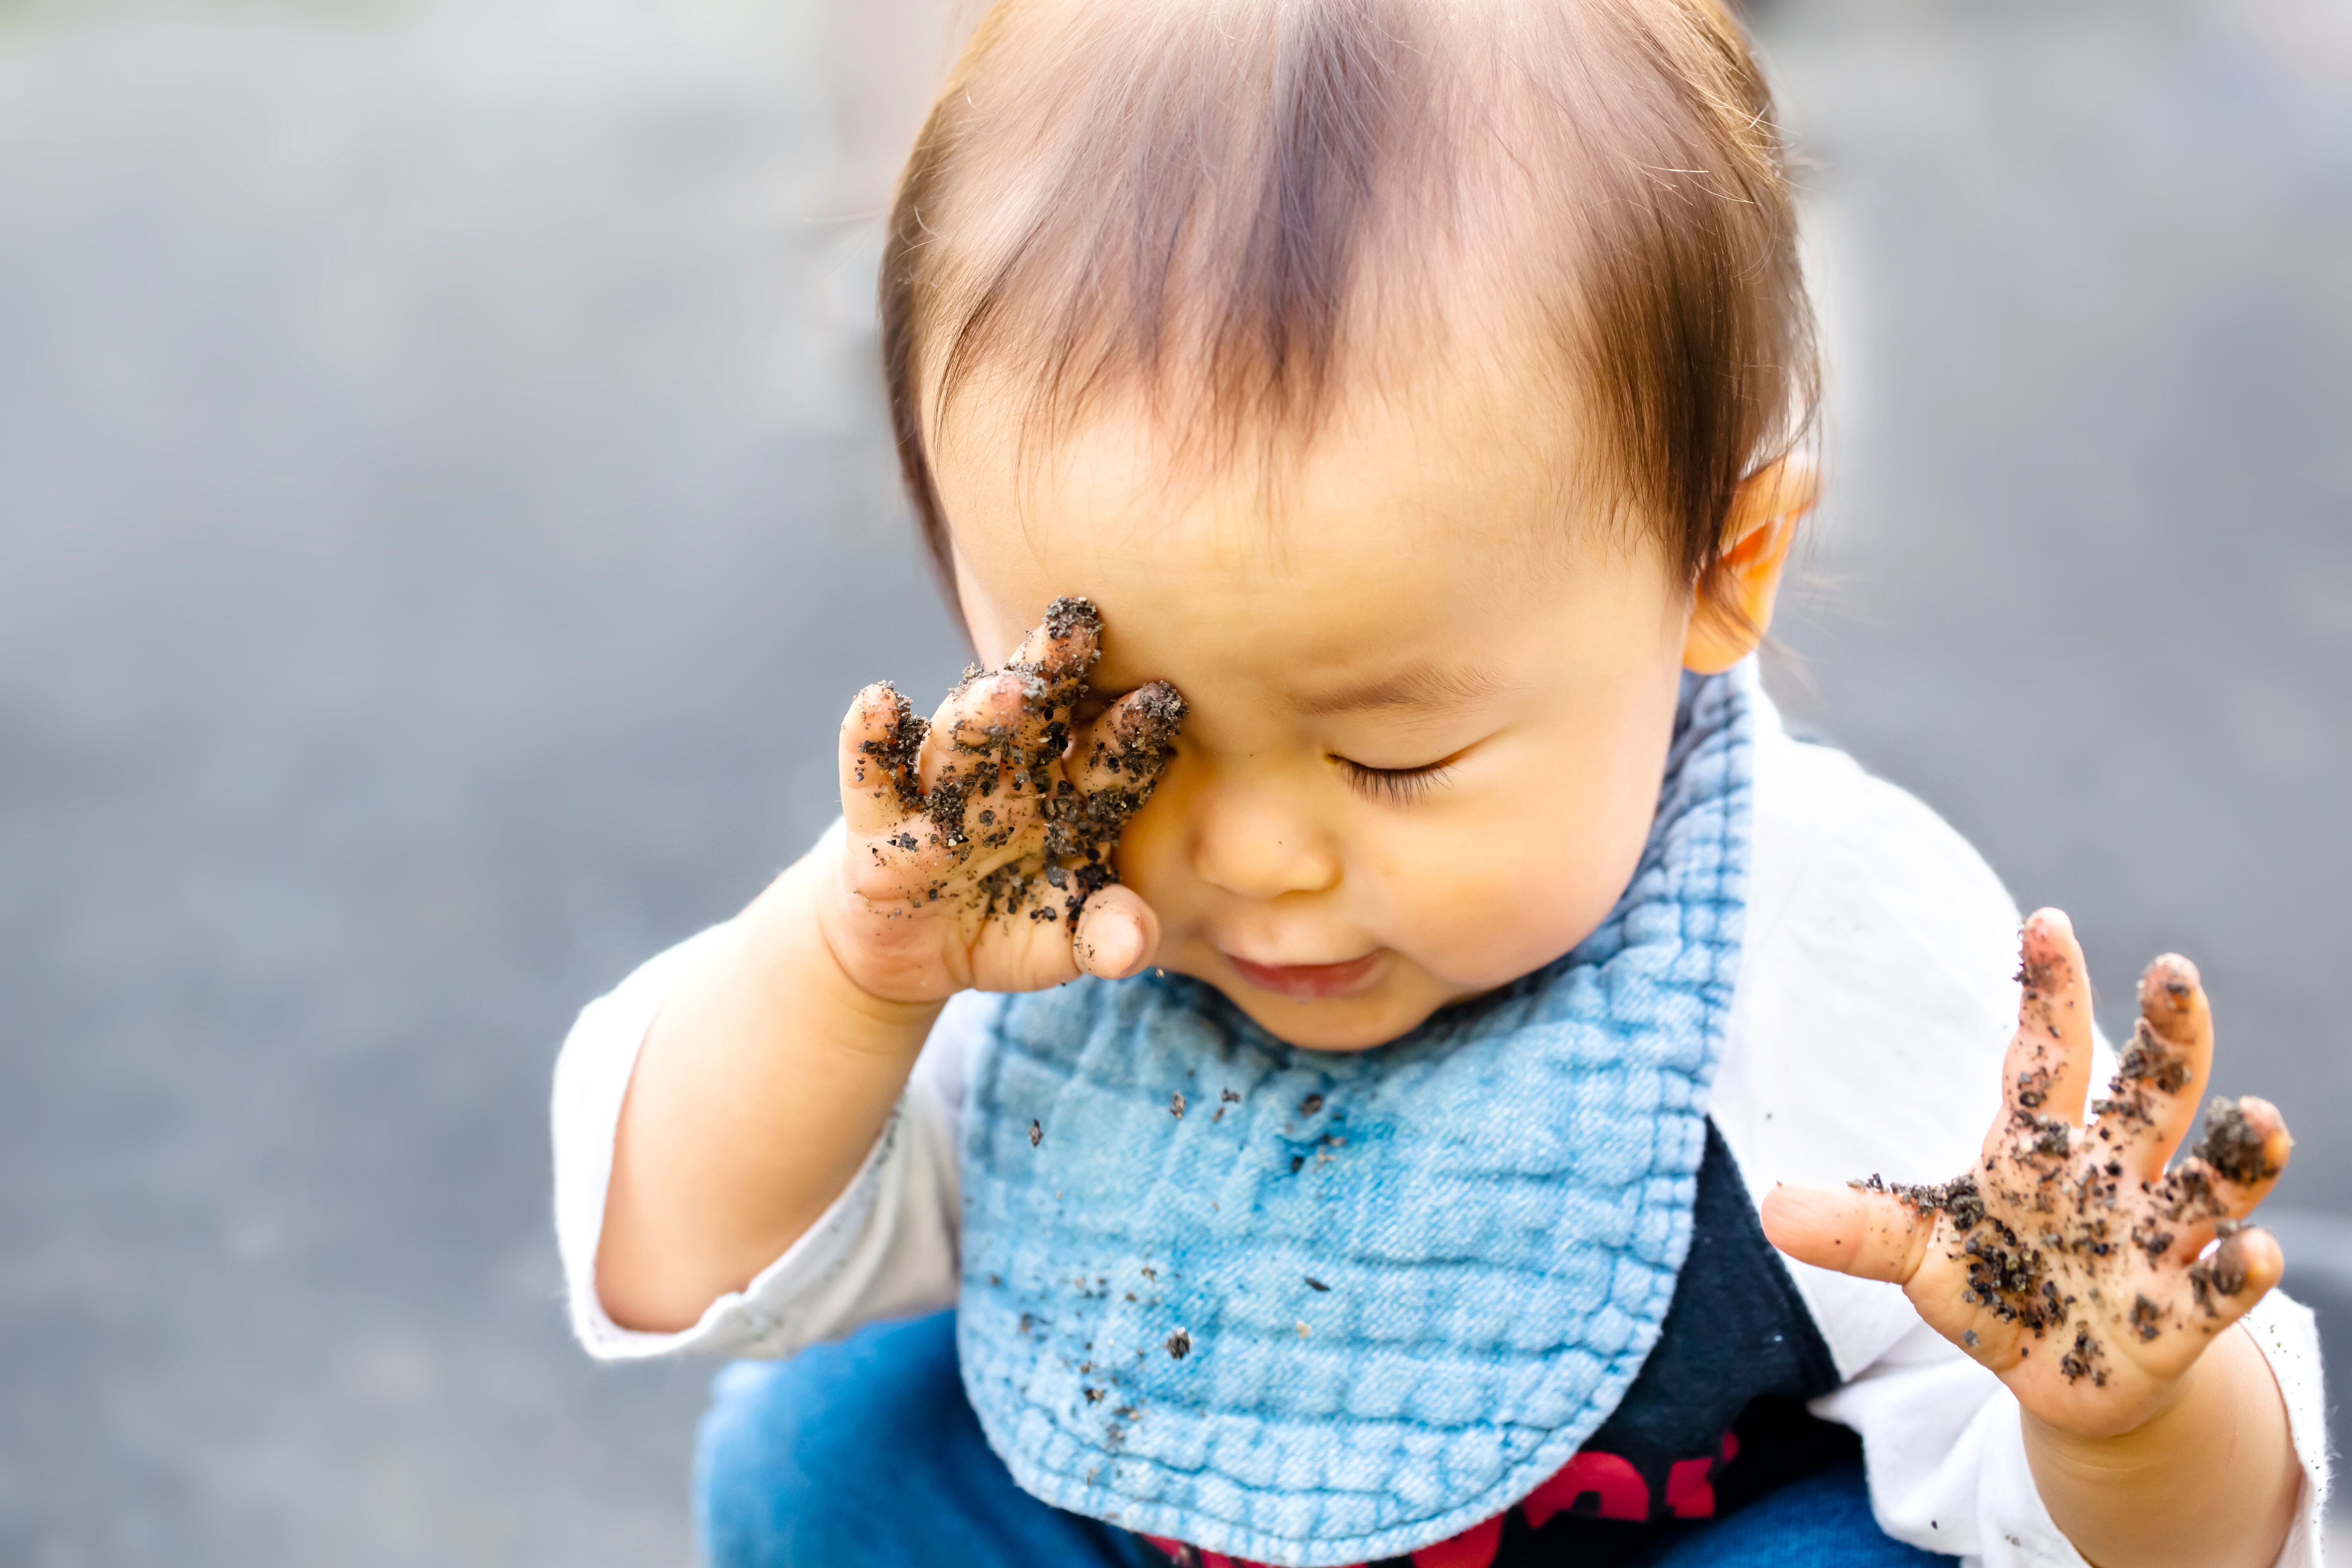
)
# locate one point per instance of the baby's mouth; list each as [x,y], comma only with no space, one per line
[1312,981]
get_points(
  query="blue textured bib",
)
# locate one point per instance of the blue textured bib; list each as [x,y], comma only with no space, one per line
[1307,1308]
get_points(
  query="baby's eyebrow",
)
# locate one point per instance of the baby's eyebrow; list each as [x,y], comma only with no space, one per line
[1417,685]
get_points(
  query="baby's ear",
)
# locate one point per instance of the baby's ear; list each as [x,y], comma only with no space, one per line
[1735,603]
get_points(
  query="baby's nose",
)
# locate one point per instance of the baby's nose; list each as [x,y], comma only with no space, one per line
[1256,843]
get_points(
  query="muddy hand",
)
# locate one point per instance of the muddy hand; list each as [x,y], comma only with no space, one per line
[2071,1260]
[978,844]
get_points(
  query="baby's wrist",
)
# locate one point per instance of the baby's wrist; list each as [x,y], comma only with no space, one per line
[2209,1478]
[2176,1414]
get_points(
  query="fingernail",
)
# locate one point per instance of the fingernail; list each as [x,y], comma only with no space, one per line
[2169,978]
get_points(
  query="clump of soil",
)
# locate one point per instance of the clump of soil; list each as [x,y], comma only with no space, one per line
[1072,613]
[2011,1278]
[1179,1344]
[2223,1272]
[2149,1060]
[2233,1146]
[2081,1360]
[1958,1198]
[2150,1064]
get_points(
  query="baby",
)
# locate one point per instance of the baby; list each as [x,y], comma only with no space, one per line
[1330,1007]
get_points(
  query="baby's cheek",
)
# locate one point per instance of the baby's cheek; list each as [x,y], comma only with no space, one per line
[1482,912]
[1477,937]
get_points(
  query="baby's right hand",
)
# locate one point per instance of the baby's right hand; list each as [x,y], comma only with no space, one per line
[978,846]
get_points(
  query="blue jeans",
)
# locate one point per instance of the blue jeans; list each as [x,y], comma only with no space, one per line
[865,1455]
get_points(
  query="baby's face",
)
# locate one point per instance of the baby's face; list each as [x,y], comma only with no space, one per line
[1430,701]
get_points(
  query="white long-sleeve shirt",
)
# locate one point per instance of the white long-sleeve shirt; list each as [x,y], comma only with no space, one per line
[1876,998]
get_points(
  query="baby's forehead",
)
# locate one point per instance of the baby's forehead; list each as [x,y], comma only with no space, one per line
[1461,462]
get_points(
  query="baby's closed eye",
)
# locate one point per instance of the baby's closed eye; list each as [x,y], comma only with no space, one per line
[1398,786]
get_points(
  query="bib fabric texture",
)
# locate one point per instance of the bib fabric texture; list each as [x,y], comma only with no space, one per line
[1310,1308]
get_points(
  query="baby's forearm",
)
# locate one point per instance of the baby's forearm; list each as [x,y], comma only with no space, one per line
[2210,1482]
[760,1090]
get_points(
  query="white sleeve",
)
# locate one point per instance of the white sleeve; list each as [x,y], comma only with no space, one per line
[1945,1453]
[887,1246]
[1877,997]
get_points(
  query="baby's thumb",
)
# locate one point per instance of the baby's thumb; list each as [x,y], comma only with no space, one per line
[1118,934]
[1872,1236]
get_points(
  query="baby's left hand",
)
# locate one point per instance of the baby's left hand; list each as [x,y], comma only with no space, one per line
[2070,1261]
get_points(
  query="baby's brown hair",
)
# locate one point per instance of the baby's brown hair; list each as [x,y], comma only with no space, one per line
[1229,206]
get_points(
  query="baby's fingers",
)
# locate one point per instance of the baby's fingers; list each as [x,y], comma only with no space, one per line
[1122,754]
[2225,1286]
[2152,1103]
[1054,661]
[880,740]
[1041,938]
[2246,1145]
[1014,723]
[1869,1235]
[1116,934]
[1065,645]
[972,736]
[2232,1170]
[2048,1068]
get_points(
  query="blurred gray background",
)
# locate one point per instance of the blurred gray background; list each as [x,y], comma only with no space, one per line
[442,482]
